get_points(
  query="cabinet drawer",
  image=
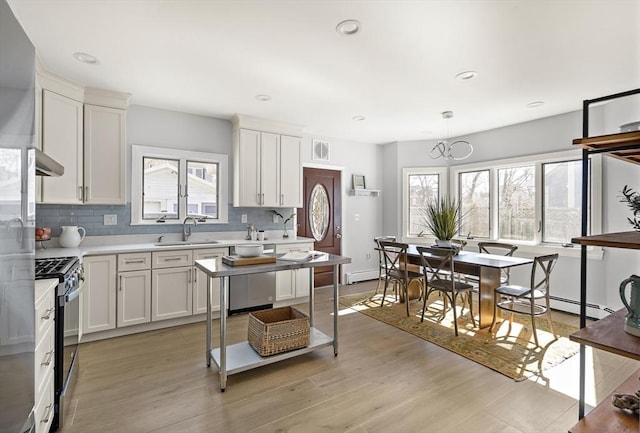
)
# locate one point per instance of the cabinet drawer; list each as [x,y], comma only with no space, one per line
[44,406]
[306,246]
[171,259]
[44,359]
[210,253]
[45,308]
[134,261]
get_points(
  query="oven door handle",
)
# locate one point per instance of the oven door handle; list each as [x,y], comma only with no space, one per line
[72,295]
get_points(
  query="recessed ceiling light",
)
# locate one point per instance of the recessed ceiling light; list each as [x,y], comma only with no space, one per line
[263,97]
[85,58]
[348,27]
[467,75]
[535,104]
[359,118]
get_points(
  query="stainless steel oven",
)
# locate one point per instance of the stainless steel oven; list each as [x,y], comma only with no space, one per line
[69,272]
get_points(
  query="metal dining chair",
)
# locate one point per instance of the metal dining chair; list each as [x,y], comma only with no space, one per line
[522,299]
[397,269]
[501,249]
[382,269]
[442,278]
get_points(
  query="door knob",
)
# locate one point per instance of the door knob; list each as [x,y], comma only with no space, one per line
[338,235]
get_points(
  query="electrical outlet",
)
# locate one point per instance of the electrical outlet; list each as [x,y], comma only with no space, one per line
[244,218]
[110,220]
[275,219]
[356,217]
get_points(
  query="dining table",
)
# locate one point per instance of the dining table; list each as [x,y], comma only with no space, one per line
[488,269]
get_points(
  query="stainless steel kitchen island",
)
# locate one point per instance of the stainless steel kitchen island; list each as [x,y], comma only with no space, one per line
[241,356]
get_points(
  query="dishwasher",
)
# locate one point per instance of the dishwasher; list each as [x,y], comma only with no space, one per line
[252,292]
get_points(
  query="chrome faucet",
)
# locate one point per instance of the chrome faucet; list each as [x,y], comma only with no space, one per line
[186,230]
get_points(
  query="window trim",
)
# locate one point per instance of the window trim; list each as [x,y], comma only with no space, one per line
[139,151]
[537,246]
[443,185]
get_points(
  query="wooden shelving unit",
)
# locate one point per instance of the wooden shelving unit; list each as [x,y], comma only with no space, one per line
[607,418]
[606,334]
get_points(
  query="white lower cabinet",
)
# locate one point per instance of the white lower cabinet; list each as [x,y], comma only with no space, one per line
[44,357]
[200,281]
[134,289]
[294,283]
[99,296]
[134,298]
[171,293]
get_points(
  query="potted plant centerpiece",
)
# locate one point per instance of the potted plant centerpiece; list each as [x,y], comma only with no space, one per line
[442,218]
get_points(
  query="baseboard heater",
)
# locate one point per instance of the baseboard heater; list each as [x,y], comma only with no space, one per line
[594,311]
[354,277]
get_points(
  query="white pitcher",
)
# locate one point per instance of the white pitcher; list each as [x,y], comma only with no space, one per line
[71,237]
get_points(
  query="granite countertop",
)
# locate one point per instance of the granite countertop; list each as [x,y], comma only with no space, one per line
[95,247]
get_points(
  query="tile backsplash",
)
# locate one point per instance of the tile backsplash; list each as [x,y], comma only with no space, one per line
[91,217]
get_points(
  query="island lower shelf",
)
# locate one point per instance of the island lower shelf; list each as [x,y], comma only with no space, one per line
[242,357]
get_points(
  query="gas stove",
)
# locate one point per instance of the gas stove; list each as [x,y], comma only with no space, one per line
[55,267]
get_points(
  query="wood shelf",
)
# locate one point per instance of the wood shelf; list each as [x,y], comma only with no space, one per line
[611,143]
[606,418]
[629,240]
[364,192]
[608,334]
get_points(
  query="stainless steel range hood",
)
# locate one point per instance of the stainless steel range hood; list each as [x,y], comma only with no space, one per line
[47,166]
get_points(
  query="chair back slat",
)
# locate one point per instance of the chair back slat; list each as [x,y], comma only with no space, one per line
[440,272]
[541,272]
[395,257]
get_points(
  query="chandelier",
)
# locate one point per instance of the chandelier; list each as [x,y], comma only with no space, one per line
[457,151]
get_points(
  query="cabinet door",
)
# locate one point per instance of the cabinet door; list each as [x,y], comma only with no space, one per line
[62,140]
[99,296]
[200,281]
[285,285]
[171,293]
[246,162]
[104,147]
[303,282]
[270,169]
[134,298]
[290,172]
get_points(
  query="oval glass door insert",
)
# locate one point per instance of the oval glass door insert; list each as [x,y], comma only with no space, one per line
[319,212]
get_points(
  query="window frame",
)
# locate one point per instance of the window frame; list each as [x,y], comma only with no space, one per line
[443,185]
[138,152]
[536,245]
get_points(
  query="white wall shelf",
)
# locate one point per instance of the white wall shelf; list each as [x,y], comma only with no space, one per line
[368,192]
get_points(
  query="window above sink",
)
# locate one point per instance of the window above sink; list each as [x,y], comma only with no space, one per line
[168,185]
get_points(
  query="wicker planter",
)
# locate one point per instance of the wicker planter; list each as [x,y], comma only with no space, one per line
[278,330]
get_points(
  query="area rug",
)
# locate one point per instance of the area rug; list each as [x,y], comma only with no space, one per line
[509,350]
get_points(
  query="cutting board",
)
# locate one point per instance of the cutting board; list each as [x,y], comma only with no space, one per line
[241,261]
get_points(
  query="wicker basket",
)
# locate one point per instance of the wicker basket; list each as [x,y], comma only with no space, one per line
[278,330]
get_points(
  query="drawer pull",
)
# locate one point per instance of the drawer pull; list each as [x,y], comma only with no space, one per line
[47,411]
[128,262]
[209,257]
[47,314]
[172,259]
[47,358]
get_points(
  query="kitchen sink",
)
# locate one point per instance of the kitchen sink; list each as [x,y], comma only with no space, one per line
[178,243]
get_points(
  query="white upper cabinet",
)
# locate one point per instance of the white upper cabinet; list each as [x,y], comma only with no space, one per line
[85,131]
[290,172]
[62,140]
[104,155]
[267,167]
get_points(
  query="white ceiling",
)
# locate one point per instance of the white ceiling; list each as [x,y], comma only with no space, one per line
[213,57]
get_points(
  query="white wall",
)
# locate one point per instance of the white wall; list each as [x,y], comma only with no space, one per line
[175,130]
[361,215]
[550,134]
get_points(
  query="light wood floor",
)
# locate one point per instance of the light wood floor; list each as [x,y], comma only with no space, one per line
[384,380]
